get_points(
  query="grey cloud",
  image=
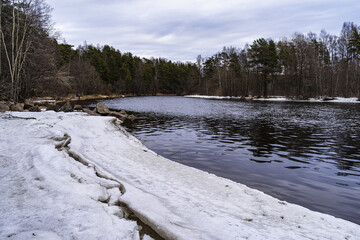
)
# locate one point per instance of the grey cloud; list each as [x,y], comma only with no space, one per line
[180,30]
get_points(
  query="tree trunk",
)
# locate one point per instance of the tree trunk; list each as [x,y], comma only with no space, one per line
[265,86]
[247,83]
[16,56]
[1,3]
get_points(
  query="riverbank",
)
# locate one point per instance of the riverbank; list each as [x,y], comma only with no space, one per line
[281,99]
[74,98]
[79,176]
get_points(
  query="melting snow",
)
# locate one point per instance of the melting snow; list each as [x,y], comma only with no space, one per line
[280,99]
[73,176]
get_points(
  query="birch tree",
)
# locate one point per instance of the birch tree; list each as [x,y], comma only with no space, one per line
[27,22]
[2,83]
[16,52]
[1,4]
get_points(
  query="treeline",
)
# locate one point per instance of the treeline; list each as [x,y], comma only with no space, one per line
[123,73]
[33,63]
[302,66]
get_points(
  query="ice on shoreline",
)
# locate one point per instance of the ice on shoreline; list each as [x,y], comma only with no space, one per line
[69,175]
[280,99]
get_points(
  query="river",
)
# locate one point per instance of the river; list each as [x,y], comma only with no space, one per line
[303,153]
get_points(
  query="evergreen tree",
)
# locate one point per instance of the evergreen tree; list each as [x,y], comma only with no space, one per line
[265,61]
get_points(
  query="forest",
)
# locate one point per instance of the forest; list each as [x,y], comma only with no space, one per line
[33,64]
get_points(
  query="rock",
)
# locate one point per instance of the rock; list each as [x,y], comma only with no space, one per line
[118,115]
[301,97]
[55,108]
[102,109]
[328,98]
[77,107]
[34,109]
[66,107]
[18,107]
[9,104]
[123,112]
[131,117]
[44,103]
[28,104]
[90,112]
[4,107]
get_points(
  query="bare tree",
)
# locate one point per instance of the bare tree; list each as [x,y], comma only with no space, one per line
[199,61]
[2,87]
[28,21]
[1,4]
[19,46]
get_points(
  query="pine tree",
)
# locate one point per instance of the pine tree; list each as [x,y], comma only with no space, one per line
[265,61]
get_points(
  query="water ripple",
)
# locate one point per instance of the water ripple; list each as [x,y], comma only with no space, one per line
[303,153]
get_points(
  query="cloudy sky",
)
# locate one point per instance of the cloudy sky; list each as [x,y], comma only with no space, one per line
[183,29]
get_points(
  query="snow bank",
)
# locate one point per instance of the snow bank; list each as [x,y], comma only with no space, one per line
[280,99]
[334,100]
[339,99]
[45,101]
[212,97]
[276,99]
[71,176]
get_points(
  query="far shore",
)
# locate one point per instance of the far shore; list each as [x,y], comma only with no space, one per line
[281,98]
[74,98]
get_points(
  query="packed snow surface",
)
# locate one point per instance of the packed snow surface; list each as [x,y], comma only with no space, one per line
[73,176]
[281,99]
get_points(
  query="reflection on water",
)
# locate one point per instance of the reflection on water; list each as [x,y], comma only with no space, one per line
[304,153]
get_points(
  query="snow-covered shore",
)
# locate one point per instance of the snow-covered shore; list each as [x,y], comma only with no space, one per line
[214,97]
[74,176]
[281,99]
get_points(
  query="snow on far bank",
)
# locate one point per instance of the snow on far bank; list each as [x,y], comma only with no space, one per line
[281,99]
[73,176]
[323,100]
[45,101]
[340,99]
[212,97]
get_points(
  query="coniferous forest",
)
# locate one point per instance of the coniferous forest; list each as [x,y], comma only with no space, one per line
[34,63]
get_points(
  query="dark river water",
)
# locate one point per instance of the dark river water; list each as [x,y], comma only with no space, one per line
[303,153]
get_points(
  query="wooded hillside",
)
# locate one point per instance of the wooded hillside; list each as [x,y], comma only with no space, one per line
[33,63]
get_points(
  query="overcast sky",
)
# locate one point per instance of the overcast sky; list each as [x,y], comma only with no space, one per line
[183,29]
